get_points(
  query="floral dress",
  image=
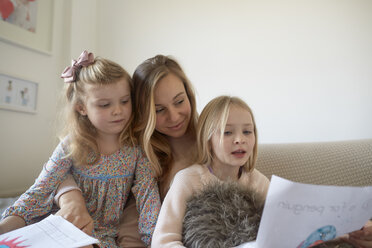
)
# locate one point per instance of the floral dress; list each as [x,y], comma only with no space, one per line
[105,187]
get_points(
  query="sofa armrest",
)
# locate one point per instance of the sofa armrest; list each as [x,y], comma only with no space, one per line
[327,163]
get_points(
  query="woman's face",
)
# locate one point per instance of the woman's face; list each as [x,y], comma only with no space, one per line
[173,109]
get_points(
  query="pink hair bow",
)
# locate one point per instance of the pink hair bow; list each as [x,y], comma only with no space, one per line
[85,59]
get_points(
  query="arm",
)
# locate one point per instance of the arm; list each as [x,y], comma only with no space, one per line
[72,204]
[128,235]
[361,238]
[168,230]
[37,201]
[11,223]
[145,190]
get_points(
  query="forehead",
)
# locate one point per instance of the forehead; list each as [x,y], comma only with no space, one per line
[167,88]
[119,88]
[239,116]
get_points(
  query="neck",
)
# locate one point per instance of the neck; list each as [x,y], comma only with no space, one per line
[225,173]
[108,144]
[183,148]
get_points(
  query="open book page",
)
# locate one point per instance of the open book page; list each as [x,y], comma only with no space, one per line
[53,231]
[296,215]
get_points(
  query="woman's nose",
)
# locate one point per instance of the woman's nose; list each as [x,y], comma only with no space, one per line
[172,114]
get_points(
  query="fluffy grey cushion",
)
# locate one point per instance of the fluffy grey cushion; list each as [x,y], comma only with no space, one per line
[222,215]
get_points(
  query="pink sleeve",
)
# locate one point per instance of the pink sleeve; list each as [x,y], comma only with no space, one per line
[66,186]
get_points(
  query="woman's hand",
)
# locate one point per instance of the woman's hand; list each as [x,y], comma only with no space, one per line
[11,223]
[361,238]
[74,210]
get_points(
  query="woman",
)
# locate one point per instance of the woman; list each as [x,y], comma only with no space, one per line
[165,124]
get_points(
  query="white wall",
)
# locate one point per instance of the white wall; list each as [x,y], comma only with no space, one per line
[27,140]
[303,66]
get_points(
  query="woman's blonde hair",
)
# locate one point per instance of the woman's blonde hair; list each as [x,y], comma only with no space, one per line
[212,119]
[83,148]
[155,144]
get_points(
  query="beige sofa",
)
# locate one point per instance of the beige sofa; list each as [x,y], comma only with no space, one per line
[328,163]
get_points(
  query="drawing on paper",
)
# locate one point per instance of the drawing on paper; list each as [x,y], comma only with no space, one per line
[320,235]
[13,243]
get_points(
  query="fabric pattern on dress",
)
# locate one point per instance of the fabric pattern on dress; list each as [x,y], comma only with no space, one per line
[105,187]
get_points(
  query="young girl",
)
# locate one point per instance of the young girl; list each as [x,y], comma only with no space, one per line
[98,151]
[164,99]
[227,146]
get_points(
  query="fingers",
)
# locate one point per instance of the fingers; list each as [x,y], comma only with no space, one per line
[361,238]
[88,229]
[81,220]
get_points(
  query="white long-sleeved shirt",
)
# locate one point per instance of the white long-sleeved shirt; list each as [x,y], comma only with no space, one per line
[187,182]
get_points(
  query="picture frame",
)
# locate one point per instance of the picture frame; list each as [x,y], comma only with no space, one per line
[18,94]
[41,39]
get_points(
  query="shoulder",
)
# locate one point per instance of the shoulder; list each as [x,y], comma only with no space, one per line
[192,177]
[62,148]
[193,171]
[256,180]
[132,151]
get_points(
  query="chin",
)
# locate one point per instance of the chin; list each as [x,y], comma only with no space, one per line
[177,134]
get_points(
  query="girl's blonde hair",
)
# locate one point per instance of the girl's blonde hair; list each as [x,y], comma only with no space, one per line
[82,134]
[212,119]
[155,144]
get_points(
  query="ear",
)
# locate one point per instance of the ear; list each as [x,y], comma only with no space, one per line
[80,108]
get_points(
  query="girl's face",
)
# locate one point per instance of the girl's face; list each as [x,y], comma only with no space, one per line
[108,107]
[237,142]
[173,109]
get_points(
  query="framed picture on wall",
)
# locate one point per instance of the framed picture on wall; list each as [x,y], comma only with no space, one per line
[18,94]
[27,23]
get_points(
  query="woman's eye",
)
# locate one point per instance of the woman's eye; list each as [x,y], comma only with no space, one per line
[179,102]
[227,133]
[159,110]
[247,132]
[124,102]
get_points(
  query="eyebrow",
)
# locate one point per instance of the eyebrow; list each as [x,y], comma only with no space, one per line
[105,99]
[246,124]
[181,93]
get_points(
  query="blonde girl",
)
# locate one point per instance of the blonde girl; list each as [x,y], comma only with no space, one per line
[98,151]
[227,146]
[165,125]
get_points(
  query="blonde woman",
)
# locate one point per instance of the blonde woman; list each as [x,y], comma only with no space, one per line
[165,124]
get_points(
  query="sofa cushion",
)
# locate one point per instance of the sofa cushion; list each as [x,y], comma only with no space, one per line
[327,163]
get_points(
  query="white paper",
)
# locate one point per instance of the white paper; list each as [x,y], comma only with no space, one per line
[53,231]
[252,244]
[293,211]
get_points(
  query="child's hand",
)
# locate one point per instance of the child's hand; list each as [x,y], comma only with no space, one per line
[361,238]
[74,210]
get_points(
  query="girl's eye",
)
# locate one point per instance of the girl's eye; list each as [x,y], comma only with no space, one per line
[227,133]
[246,132]
[104,105]
[124,101]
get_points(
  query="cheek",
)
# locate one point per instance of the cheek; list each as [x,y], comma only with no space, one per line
[187,109]
[251,142]
[159,123]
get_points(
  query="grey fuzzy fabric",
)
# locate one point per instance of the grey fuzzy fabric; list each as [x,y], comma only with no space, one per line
[222,215]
